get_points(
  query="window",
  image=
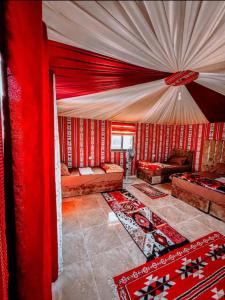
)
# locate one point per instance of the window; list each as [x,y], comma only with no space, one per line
[122,137]
[122,142]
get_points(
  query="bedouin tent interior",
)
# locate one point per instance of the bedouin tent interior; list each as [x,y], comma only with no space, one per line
[112,150]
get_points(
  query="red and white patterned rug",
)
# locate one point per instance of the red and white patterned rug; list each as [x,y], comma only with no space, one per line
[195,271]
[152,234]
[149,190]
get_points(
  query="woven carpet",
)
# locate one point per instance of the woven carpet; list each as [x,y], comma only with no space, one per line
[152,234]
[149,190]
[195,271]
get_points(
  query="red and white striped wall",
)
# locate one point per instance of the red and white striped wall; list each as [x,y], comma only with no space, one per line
[88,142]
[84,142]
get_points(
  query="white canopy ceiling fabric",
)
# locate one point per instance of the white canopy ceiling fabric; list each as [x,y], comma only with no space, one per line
[213,81]
[163,104]
[107,104]
[169,36]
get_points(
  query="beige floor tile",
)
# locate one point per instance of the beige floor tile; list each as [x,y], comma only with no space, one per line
[122,233]
[77,282]
[86,203]
[193,229]
[188,209]
[172,215]
[70,206]
[70,224]
[135,253]
[100,238]
[73,248]
[92,217]
[108,264]
[103,204]
[212,222]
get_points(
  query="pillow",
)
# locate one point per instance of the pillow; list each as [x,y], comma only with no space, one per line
[111,168]
[86,171]
[220,169]
[177,160]
[64,170]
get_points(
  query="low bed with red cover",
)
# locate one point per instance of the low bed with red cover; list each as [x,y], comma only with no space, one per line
[194,271]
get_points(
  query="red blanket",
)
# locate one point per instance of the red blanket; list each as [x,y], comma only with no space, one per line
[144,164]
[209,183]
[194,271]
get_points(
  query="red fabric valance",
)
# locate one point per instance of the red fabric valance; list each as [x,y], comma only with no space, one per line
[123,128]
[81,72]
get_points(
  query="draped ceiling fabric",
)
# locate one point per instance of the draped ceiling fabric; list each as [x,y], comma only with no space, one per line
[112,58]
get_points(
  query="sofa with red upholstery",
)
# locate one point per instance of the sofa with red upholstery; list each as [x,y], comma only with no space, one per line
[81,181]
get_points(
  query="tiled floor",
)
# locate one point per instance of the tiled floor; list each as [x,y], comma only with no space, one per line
[96,246]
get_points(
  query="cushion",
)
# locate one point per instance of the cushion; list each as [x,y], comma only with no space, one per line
[177,160]
[64,170]
[111,168]
[86,171]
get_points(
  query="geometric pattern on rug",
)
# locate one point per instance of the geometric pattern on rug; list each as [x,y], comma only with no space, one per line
[195,271]
[153,235]
[149,190]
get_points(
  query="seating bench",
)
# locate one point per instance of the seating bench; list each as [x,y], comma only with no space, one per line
[105,178]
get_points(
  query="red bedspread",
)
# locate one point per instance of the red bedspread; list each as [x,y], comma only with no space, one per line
[144,164]
[194,271]
[196,178]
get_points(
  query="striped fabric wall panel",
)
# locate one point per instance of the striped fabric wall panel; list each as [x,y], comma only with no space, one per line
[88,142]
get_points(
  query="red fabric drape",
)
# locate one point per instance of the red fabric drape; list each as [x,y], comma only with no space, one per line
[210,102]
[3,247]
[81,72]
[31,124]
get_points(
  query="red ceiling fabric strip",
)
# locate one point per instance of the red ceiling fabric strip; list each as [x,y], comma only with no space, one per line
[81,72]
[181,78]
[210,102]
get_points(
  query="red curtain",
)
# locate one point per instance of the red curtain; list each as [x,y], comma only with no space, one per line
[31,127]
[3,247]
[123,128]
[81,72]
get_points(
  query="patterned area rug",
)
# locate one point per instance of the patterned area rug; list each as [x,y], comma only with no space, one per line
[153,235]
[195,271]
[149,190]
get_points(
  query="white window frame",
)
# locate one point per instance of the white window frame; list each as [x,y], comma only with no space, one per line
[121,145]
